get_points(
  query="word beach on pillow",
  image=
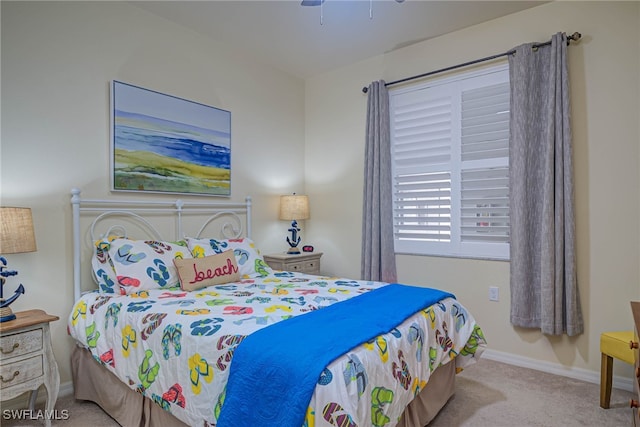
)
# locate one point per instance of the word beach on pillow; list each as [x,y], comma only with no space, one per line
[196,273]
[248,258]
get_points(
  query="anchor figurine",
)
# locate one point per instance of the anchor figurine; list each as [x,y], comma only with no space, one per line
[295,239]
[5,312]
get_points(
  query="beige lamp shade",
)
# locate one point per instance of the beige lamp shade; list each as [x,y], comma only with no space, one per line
[16,231]
[294,207]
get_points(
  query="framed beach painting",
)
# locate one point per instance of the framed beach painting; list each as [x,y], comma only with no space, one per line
[162,143]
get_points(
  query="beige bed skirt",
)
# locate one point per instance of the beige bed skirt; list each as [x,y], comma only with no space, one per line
[95,383]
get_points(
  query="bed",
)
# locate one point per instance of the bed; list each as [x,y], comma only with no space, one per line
[197,329]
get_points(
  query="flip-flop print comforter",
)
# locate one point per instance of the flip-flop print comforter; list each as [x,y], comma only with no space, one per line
[176,347]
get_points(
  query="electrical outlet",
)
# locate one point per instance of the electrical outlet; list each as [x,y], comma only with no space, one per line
[494,293]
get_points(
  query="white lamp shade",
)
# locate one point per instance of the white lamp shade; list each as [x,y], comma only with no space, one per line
[294,207]
[16,231]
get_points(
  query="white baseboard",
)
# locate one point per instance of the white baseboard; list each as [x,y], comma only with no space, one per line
[621,383]
[66,389]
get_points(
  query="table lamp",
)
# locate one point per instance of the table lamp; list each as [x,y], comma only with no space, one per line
[16,236]
[294,208]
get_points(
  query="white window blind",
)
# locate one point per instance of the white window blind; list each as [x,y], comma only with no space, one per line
[450,156]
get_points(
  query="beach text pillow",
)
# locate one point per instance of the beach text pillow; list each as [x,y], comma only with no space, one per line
[248,257]
[196,273]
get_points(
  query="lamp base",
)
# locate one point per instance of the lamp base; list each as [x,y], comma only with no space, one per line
[6,314]
[293,251]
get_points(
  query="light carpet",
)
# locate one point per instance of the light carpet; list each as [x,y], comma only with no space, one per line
[488,394]
[493,394]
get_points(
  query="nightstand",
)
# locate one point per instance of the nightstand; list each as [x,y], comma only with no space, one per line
[303,263]
[26,358]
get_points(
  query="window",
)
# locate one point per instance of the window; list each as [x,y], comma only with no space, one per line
[450,161]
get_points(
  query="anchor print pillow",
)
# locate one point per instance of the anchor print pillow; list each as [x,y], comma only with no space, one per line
[248,257]
[196,273]
[145,264]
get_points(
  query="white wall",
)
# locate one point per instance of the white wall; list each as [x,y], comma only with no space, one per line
[605,96]
[57,62]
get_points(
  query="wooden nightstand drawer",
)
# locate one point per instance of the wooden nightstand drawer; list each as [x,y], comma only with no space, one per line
[308,263]
[309,267]
[19,344]
[21,371]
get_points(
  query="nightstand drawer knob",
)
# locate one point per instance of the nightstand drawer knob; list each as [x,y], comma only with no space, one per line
[15,374]
[15,345]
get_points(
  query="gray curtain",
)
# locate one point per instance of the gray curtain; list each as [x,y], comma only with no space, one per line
[378,260]
[544,290]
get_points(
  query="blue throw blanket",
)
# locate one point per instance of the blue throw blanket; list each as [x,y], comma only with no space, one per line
[274,371]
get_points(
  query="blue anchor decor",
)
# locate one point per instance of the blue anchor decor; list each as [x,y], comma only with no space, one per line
[5,312]
[16,236]
[295,239]
[294,208]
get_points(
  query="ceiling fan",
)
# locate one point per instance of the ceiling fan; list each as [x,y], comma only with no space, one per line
[319,2]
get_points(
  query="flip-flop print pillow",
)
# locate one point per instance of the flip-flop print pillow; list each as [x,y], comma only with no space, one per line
[145,264]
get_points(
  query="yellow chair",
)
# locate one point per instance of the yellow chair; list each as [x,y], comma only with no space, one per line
[613,344]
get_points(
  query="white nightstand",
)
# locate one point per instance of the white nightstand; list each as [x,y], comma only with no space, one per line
[306,262]
[26,358]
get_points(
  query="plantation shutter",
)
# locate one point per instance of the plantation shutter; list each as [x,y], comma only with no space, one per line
[422,173]
[485,169]
[450,158]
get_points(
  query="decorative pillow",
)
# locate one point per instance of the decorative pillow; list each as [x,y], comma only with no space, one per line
[145,264]
[102,265]
[196,273]
[248,258]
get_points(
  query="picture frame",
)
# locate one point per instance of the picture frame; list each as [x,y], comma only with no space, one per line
[165,144]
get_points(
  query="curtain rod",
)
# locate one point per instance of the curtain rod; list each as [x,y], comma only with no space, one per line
[575,37]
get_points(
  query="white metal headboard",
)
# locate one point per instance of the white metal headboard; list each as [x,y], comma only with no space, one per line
[228,213]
